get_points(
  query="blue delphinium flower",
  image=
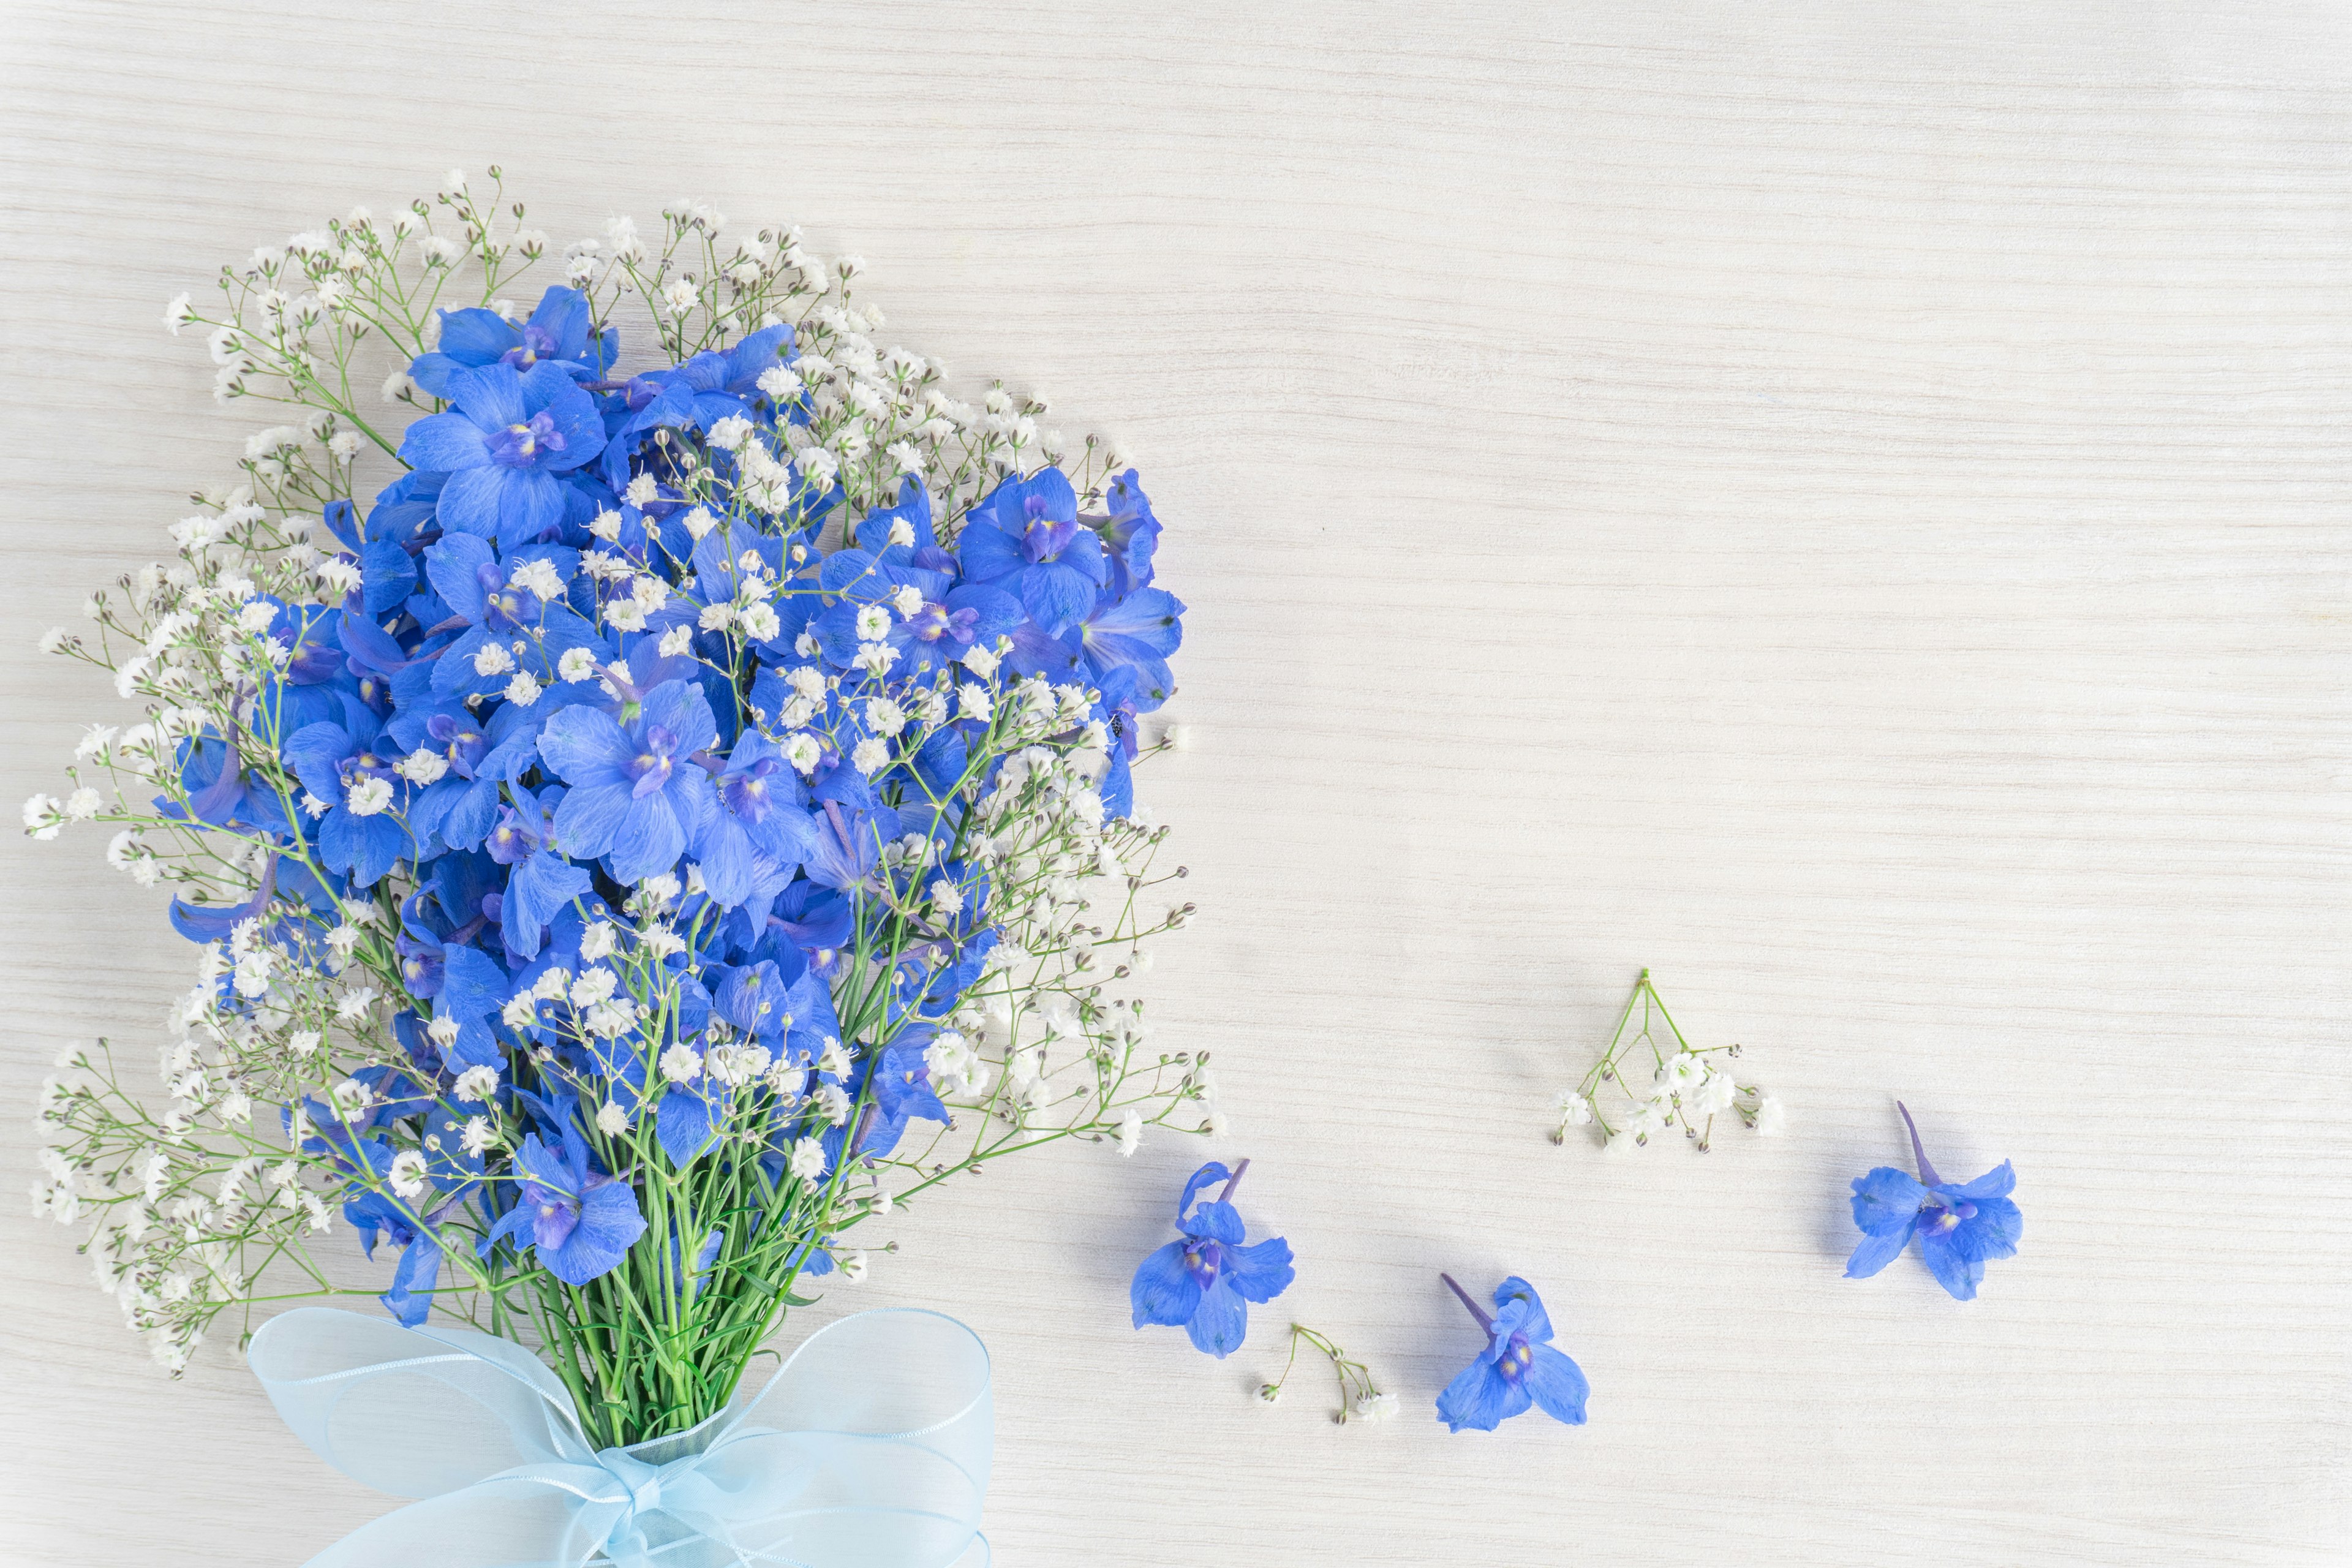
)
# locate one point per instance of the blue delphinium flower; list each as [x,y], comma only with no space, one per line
[1517,1369]
[415,1277]
[542,880]
[581,1220]
[1205,1281]
[559,331]
[1961,1226]
[504,446]
[1025,538]
[636,790]
[359,796]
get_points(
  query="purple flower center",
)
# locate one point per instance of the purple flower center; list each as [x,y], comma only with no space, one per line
[459,741]
[1044,538]
[1516,1359]
[511,839]
[747,793]
[1940,1217]
[365,765]
[932,622]
[518,446]
[315,660]
[652,766]
[1205,1260]
[553,1214]
[537,344]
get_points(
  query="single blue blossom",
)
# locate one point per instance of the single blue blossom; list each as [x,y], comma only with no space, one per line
[359,795]
[636,792]
[1205,1281]
[1025,538]
[542,881]
[1961,1226]
[580,1221]
[1519,1368]
[505,446]
[418,1272]
[559,331]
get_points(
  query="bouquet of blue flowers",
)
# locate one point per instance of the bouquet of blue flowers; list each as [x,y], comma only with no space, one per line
[686,811]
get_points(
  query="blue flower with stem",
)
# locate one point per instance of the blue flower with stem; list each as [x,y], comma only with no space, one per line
[418,1272]
[506,445]
[580,1221]
[1205,1281]
[1961,1226]
[1519,1368]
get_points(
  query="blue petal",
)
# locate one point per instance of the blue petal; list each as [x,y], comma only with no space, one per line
[1991,1232]
[1997,1182]
[453,566]
[490,396]
[1886,1200]
[444,444]
[990,553]
[1056,596]
[1260,1273]
[1215,1221]
[1164,1291]
[1557,1385]
[584,746]
[469,502]
[411,1295]
[1954,1271]
[589,818]
[679,706]
[530,505]
[1481,1398]
[609,1222]
[648,841]
[1877,1252]
[1220,1322]
[1535,1322]
[1207,1175]
[476,337]
[682,1123]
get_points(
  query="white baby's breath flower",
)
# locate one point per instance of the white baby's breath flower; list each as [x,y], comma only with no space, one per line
[807,1159]
[476,1083]
[1772,1117]
[611,1119]
[367,798]
[407,1174]
[1130,1130]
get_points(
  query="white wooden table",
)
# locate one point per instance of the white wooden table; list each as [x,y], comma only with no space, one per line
[1850,511]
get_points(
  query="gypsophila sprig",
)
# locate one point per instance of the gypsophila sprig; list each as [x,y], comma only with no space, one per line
[1360,1399]
[1684,1086]
[641,817]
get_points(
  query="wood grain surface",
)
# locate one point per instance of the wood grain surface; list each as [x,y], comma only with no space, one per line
[1846,505]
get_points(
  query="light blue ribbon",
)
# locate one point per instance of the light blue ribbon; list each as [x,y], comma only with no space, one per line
[868,1448]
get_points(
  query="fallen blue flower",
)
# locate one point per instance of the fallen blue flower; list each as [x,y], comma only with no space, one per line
[1203,1281]
[1519,1368]
[1961,1226]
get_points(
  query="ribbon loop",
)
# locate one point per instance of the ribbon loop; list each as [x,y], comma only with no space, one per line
[868,1448]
